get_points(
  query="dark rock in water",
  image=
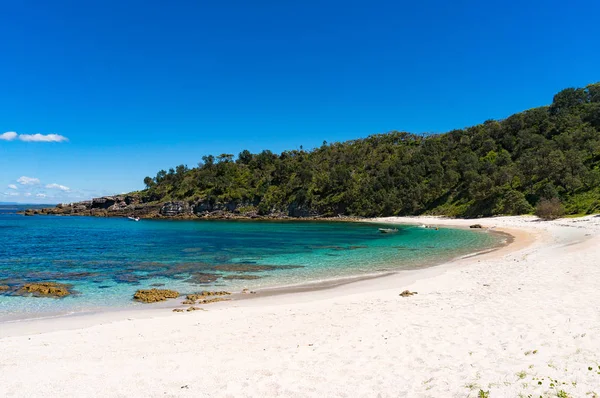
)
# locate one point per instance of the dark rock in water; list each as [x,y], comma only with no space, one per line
[132,279]
[103,287]
[45,289]
[476,226]
[46,275]
[252,267]
[154,295]
[201,277]
[157,284]
[192,250]
[407,293]
[241,277]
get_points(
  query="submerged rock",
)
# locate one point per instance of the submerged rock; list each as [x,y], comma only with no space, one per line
[45,289]
[252,267]
[154,295]
[201,277]
[241,277]
[4,288]
[476,226]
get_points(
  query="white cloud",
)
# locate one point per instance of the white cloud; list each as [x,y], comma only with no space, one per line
[57,186]
[40,195]
[12,186]
[11,136]
[28,194]
[11,193]
[8,136]
[28,180]
[42,138]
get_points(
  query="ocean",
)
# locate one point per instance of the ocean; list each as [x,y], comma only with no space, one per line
[107,259]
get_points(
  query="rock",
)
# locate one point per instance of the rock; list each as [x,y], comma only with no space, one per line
[177,310]
[171,209]
[45,289]
[4,288]
[201,295]
[202,277]
[188,302]
[241,277]
[212,300]
[103,202]
[154,295]
[476,226]
[195,309]
[252,267]
[407,293]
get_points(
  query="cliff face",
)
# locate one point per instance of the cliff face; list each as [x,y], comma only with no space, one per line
[132,205]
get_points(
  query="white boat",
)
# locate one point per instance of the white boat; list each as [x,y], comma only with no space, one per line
[134,218]
[388,230]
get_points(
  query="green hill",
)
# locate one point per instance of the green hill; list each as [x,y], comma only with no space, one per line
[498,167]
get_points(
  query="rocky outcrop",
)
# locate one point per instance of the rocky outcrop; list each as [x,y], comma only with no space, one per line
[103,203]
[154,295]
[45,289]
[174,209]
[148,207]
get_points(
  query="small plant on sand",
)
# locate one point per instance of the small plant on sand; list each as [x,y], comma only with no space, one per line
[521,374]
[562,394]
[483,394]
[471,386]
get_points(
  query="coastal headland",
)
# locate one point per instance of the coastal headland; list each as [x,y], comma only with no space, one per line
[136,206]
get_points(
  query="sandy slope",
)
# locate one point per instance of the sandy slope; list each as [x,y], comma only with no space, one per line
[505,322]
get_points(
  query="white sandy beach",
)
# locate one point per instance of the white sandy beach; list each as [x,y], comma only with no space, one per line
[524,319]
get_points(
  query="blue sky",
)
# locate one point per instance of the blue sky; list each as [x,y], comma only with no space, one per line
[138,86]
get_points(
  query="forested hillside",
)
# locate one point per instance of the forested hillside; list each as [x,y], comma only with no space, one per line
[498,167]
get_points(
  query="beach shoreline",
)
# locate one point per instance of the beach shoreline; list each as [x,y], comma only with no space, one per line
[501,321]
[145,310]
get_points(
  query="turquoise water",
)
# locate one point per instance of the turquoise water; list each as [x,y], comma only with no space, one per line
[108,259]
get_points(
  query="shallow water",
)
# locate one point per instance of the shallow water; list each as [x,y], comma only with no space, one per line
[107,259]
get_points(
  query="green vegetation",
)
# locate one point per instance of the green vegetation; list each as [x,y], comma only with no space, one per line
[549,153]
[483,394]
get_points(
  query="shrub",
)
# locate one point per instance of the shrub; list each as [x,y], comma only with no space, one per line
[512,203]
[549,209]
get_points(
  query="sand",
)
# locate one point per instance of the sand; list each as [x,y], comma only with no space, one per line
[521,321]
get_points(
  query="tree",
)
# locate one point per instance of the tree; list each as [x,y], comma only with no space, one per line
[245,157]
[149,182]
[498,167]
